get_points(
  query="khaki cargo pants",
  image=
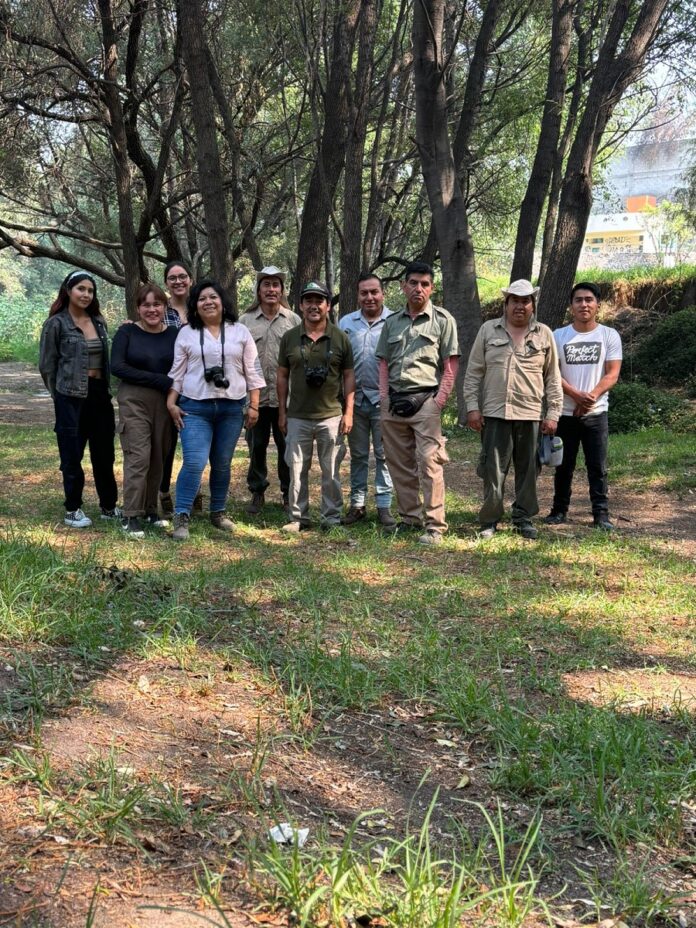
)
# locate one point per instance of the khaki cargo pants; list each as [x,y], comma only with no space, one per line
[415,451]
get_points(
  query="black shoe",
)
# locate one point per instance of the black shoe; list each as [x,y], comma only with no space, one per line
[354,514]
[488,531]
[555,518]
[385,518]
[526,530]
[131,526]
[603,524]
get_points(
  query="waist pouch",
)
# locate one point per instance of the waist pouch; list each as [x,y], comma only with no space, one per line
[406,405]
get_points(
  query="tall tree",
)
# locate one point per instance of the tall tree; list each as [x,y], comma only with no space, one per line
[547,146]
[194,49]
[619,63]
[445,194]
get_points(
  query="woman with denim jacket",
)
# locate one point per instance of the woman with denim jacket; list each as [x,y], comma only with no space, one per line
[74,364]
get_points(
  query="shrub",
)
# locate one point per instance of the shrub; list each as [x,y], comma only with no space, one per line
[668,355]
[635,406]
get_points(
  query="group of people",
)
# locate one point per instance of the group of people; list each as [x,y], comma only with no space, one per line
[378,381]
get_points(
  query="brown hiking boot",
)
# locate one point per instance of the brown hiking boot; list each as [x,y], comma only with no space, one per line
[181,526]
[354,514]
[258,500]
[385,517]
[220,520]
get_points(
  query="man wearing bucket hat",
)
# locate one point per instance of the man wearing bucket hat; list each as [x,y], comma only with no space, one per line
[268,318]
[316,390]
[512,387]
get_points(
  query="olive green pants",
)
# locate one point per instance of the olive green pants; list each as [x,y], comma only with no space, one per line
[506,441]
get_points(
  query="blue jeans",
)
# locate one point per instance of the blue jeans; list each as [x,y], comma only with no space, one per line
[366,423]
[210,433]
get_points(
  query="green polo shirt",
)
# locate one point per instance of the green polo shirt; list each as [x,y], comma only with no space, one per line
[297,351]
[416,349]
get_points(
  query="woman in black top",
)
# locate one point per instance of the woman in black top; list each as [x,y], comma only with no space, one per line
[74,364]
[141,357]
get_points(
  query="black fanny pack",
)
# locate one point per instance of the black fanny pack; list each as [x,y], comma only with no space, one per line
[406,405]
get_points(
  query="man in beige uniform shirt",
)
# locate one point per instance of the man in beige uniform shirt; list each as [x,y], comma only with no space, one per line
[512,386]
[268,318]
[419,354]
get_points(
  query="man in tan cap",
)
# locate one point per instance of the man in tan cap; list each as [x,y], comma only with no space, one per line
[268,318]
[512,387]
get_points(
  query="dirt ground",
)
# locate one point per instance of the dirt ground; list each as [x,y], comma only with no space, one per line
[197,728]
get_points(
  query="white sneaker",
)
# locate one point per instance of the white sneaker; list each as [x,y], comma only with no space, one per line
[77,519]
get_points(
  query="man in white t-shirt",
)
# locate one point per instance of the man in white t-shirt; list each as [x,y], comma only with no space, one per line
[590,359]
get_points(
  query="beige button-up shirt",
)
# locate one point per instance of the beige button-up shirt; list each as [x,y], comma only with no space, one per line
[267,334]
[508,383]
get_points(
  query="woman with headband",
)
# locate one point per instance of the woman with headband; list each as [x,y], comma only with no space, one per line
[74,364]
[215,366]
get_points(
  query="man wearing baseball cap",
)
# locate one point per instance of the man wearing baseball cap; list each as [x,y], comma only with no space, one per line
[512,387]
[316,390]
[268,318]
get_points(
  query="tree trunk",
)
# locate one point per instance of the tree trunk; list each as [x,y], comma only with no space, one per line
[318,204]
[358,107]
[442,184]
[547,145]
[194,49]
[119,151]
[613,74]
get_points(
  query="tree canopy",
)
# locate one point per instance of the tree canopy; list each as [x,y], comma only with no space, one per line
[327,136]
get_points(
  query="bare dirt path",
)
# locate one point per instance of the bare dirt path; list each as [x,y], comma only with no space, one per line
[24,400]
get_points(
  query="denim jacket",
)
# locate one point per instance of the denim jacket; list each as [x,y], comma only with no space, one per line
[63,358]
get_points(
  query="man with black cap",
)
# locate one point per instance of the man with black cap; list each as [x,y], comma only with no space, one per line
[316,390]
[511,387]
[268,318]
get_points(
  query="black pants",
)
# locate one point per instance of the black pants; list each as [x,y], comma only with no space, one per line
[81,421]
[592,432]
[258,440]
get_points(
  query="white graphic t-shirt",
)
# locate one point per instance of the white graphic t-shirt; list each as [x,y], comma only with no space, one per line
[581,356]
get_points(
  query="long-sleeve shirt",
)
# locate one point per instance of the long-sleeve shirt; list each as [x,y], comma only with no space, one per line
[364,336]
[143,358]
[242,367]
[267,335]
[505,382]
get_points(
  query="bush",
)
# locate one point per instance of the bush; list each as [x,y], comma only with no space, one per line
[635,406]
[668,355]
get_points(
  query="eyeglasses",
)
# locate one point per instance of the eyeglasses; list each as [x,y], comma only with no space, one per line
[178,278]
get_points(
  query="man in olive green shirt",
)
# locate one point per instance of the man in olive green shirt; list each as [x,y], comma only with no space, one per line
[512,388]
[268,318]
[315,367]
[419,355]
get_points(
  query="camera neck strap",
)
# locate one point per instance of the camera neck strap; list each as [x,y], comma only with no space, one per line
[303,352]
[222,345]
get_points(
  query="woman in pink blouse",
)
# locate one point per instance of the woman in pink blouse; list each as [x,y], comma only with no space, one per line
[215,367]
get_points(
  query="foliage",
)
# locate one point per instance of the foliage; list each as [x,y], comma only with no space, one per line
[668,355]
[635,406]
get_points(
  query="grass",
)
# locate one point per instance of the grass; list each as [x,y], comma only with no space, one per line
[480,644]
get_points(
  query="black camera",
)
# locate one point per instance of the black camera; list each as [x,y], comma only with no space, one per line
[316,376]
[217,376]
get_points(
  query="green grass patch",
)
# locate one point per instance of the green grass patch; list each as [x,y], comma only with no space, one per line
[485,640]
